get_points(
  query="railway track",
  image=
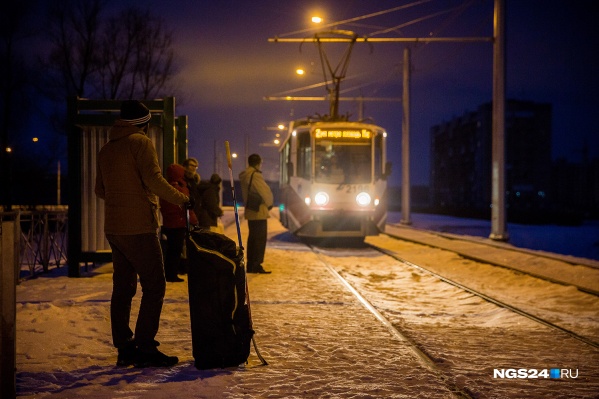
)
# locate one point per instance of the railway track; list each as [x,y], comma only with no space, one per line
[566,270]
[496,301]
[425,359]
[406,325]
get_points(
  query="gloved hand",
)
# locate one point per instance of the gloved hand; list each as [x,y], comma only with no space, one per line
[190,204]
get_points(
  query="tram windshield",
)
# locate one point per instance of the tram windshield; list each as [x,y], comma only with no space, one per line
[343,161]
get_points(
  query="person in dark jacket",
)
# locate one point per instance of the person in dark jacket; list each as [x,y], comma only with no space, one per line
[192,177]
[174,224]
[210,210]
[129,180]
[251,179]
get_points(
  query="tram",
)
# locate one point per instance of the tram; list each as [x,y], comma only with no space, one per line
[333,180]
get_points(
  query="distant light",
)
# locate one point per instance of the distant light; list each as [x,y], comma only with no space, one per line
[35,139]
[234,155]
[281,126]
[300,71]
[8,149]
[277,141]
[316,20]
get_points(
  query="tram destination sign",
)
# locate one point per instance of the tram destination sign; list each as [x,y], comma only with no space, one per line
[342,133]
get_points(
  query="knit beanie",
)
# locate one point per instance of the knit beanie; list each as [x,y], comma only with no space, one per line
[135,113]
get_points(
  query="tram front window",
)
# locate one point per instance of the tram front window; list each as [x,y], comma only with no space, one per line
[342,163]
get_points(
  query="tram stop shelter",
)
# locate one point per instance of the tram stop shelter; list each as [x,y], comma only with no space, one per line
[88,124]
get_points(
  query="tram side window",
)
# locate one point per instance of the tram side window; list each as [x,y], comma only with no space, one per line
[378,156]
[286,165]
[304,155]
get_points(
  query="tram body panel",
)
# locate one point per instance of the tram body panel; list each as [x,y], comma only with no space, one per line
[334,183]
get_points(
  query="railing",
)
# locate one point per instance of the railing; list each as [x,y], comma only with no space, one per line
[42,239]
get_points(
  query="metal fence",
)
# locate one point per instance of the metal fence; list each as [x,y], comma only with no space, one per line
[42,239]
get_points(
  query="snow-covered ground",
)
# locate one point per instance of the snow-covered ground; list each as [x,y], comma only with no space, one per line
[581,241]
[319,340]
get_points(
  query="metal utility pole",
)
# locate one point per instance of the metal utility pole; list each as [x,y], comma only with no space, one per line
[405,142]
[498,218]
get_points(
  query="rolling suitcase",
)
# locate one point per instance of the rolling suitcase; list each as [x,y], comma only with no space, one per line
[221,328]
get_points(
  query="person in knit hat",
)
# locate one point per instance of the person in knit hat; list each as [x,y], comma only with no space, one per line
[129,180]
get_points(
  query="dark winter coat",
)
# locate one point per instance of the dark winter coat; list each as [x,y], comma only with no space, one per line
[129,179]
[210,209]
[174,216]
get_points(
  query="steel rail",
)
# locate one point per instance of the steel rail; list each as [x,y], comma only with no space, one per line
[426,360]
[491,262]
[488,298]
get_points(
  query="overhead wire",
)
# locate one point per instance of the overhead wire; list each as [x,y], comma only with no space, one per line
[455,13]
[348,21]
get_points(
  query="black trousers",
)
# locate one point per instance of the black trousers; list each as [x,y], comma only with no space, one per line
[256,244]
[134,255]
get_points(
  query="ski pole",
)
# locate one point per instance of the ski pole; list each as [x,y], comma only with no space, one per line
[230,164]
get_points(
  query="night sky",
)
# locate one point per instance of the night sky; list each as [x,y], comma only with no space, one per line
[227,66]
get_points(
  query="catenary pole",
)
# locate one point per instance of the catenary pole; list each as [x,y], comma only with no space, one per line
[498,218]
[405,141]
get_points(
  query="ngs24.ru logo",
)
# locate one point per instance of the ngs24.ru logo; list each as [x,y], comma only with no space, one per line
[535,373]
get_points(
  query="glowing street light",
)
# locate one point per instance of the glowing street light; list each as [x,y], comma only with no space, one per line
[317,20]
[300,71]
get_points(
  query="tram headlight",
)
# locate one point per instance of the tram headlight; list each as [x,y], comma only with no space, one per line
[363,199]
[321,198]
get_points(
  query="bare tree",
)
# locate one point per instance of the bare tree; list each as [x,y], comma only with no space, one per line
[137,58]
[74,30]
[118,44]
[154,59]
